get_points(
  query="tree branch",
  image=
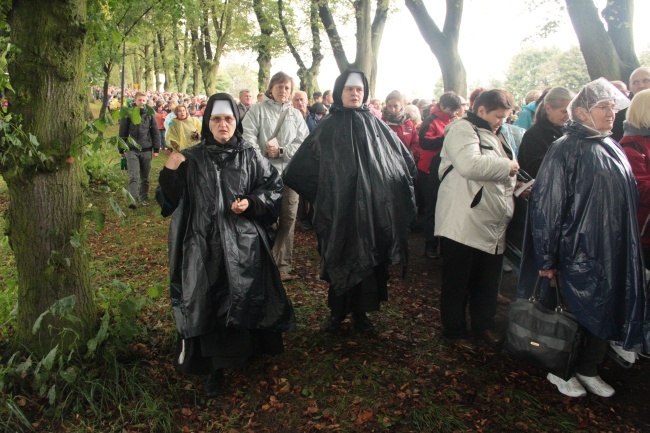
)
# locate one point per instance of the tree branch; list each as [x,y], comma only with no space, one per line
[287,37]
[332,33]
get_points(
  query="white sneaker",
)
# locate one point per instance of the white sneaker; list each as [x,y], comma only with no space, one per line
[570,388]
[596,385]
[626,355]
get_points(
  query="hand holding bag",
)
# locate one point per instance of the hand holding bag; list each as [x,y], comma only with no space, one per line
[548,339]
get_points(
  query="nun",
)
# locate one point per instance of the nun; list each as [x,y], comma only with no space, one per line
[359,177]
[226,295]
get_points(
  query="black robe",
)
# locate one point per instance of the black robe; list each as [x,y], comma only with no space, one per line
[359,176]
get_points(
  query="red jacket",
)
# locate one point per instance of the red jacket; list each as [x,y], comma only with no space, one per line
[432,133]
[637,149]
[407,133]
[160,119]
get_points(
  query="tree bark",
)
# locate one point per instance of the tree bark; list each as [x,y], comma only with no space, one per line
[148,68]
[308,76]
[264,55]
[369,35]
[443,44]
[46,209]
[157,66]
[165,61]
[596,46]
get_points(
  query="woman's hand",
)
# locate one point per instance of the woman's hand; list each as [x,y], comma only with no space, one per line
[514,168]
[526,192]
[548,273]
[239,205]
[174,160]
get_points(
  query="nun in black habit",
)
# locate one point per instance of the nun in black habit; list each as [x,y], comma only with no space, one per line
[359,177]
[226,294]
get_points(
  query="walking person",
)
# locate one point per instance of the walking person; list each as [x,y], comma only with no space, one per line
[138,156]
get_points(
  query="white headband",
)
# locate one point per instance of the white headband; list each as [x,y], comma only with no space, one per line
[221,107]
[354,79]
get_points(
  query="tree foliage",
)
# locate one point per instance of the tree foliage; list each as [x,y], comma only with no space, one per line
[538,68]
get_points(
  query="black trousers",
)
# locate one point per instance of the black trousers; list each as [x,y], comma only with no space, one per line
[592,354]
[469,277]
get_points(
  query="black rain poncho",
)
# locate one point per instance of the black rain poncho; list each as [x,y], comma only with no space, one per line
[582,222]
[359,177]
[221,269]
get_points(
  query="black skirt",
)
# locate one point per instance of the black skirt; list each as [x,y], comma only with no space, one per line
[363,297]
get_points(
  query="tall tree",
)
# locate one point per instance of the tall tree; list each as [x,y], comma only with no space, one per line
[369,34]
[46,207]
[210,46]
[609,52]
[443,44]
[308,75]
[110,23]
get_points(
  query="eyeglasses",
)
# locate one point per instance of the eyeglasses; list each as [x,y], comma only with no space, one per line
[606,108]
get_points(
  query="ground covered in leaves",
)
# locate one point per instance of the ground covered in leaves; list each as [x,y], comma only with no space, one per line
[400,378]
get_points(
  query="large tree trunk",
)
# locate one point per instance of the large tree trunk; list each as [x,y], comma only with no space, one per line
[443,44]
[607,53]
[308,76]
[368,37]
[166,62]
[46,209]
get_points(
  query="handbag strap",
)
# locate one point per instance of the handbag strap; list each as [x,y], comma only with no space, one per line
[279,124]
[558,293]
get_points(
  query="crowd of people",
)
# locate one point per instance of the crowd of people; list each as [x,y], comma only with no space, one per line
[565,181]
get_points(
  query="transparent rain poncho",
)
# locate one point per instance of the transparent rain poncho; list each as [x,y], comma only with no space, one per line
[598,91]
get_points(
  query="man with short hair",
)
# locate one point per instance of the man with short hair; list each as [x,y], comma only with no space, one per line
[260,97]
[639,80]
[138,158]
[300,102]
[245,102]
[327,99]
[318,97]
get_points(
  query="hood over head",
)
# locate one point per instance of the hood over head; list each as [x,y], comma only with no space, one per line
[207,113]
[339,84]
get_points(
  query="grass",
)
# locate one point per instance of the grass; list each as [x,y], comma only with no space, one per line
[402,378]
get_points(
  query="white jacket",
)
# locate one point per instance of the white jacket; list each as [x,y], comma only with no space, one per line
[488,168]
[259,124]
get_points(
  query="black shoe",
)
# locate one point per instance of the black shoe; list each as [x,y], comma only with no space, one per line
[306,226]
[490,337]
[332,325]
[214,384]
[430,253]
[133,206]
[361,322]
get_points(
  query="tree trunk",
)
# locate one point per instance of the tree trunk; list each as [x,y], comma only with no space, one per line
[264,55]
[165,62]
[196,85]
[597,48]
[368,36]
[308,76]
[107,77]
[148,68]
[46,209]
[157,66]
[443,44]
[619,16]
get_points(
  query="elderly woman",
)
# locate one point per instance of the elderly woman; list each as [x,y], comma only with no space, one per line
[183,131]
[582,227]
[227,297]
[359,177]
[475,204]
[550,116]
[277,130]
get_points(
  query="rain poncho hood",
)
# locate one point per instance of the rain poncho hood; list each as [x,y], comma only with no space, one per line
[359,177]
[598,91]
[204,228]
[582,222]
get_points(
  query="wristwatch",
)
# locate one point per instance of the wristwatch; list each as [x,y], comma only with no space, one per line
[281,151]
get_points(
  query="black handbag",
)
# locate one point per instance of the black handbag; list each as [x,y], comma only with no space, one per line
[548,339]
